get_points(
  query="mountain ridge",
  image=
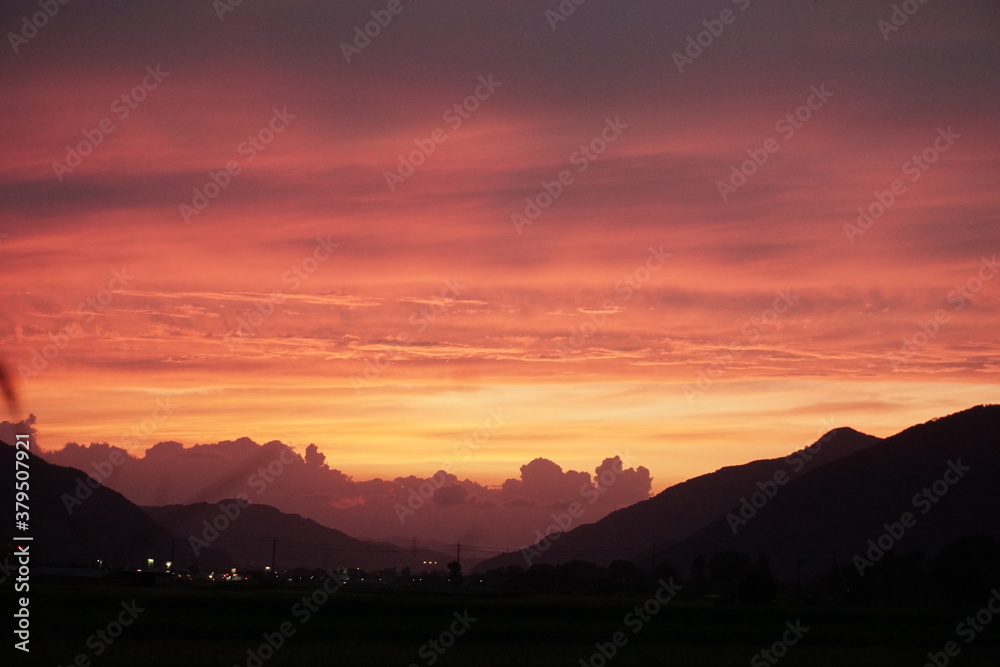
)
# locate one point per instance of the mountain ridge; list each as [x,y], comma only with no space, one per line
[675,525]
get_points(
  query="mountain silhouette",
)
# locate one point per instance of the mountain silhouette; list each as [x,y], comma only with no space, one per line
[848,495]
[824,513]
[73,523]
[945,473]
[259,532]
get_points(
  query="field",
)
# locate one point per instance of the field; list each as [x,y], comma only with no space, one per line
[218,627]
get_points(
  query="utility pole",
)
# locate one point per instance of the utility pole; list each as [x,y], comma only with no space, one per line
[274,551]
[458,555]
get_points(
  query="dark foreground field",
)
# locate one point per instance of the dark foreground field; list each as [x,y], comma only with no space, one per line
[217,627]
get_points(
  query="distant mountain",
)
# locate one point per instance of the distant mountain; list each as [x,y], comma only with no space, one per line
[824,512]
[252,534]
[74,520]
[71,522]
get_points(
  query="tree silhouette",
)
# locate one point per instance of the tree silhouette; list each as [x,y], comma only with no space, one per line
[625,577]
[757,585]
[455,573]
[965,569]
[726,569]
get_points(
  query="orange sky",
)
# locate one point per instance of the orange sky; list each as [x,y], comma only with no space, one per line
[687,367]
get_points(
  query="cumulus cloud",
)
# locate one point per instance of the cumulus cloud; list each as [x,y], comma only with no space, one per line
[622,486]
[453,494]
[544,481]
[9,430]
[439,507]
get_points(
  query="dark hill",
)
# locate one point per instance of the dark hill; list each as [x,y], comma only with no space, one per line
[72,523]
[75,521]
[680,510]
[828,517]
[258,530]
[823,515]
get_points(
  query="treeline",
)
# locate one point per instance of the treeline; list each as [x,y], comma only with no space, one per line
[964,572]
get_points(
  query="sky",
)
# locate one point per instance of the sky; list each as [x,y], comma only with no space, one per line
[685,234]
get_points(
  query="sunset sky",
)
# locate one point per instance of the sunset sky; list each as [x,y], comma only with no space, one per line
[305,296]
